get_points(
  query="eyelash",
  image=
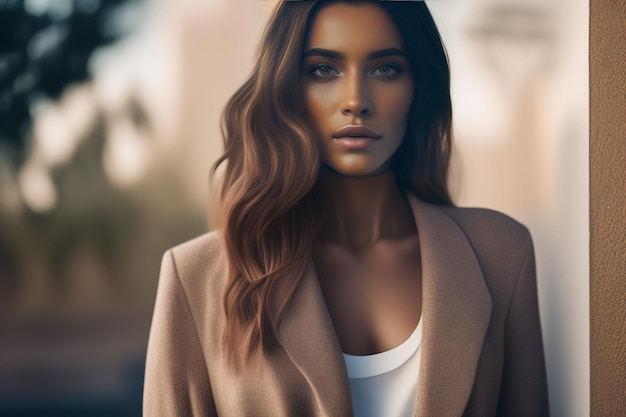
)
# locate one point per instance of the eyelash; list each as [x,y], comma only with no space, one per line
[316,68]
[312,71]
[396,70]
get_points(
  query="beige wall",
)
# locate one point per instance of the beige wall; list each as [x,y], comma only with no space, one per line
[608,207]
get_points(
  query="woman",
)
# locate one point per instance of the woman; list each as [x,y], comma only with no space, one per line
[342,280]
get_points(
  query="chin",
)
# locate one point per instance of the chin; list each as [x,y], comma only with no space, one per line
[357,164]
[357,170]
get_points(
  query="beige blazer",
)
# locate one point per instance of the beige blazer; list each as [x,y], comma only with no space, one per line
[481,346]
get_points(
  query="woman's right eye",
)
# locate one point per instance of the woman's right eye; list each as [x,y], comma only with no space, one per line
[323,71]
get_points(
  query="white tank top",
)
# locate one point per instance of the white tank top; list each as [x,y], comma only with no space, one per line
[385,384]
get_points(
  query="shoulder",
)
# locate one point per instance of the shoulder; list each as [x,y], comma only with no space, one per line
[496,238]
[198,251]
[199,264]
[487,222]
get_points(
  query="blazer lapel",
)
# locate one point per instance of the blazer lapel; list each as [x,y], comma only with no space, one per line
[308,336]
[456,310]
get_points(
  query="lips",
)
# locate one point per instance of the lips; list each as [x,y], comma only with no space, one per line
[356,131]
[356,137]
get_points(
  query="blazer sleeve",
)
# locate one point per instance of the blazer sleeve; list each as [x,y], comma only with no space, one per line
[524,391]
[176,378]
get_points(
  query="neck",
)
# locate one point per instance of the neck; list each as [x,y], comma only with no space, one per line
[364,210]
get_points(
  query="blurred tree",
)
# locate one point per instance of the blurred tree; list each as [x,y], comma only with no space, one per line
[81,274]
[45,46]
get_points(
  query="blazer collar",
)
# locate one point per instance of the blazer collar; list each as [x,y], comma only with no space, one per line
[456,309]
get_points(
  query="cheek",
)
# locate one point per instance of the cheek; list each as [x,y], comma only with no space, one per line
[317,102]
[397,103]
[394,101]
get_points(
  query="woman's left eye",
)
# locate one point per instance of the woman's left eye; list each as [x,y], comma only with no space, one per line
[386,71]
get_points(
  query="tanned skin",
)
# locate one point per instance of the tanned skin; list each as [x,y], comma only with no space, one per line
[367,254]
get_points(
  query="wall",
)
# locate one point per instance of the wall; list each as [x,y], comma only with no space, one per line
[608,207]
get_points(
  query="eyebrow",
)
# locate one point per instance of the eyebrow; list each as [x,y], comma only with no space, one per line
[326,53]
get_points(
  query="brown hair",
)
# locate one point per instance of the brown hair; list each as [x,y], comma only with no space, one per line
[266,200]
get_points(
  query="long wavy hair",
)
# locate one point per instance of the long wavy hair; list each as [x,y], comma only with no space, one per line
[266,202]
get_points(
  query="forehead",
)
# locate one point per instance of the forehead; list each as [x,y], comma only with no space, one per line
[353,27]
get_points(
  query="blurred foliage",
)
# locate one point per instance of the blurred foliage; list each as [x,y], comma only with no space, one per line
[46,45]
[80,276]
[126,229]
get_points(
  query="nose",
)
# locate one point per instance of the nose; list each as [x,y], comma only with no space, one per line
[356,100]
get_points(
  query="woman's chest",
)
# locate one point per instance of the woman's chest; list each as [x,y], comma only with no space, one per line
[374,298]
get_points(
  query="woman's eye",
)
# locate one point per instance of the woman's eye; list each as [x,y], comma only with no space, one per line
[322,71]
[386,71]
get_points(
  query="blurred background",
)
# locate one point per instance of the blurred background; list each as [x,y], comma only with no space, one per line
[109,122]
[520,101]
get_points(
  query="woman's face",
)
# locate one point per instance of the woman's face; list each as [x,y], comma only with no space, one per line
[357,86]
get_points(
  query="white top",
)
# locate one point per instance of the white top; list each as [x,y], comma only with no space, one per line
[385,384]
